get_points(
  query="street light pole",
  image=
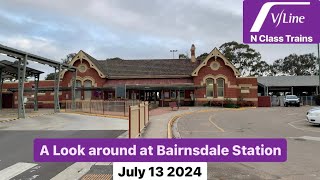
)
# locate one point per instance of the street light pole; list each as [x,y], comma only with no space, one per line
[173,51]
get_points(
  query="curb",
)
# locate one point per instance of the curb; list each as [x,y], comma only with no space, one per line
[14,119]
[170,124]
[172,121]
[99,115]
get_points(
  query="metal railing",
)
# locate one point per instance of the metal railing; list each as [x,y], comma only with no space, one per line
[308,100]
[109,107]
[304,100]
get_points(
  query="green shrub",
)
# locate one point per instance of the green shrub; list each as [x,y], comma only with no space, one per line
[207,104]
[228,103]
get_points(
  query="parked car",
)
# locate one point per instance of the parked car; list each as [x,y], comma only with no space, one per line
[313,116]
[291,100]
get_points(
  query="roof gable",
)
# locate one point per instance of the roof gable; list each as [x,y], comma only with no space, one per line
[81,55]
[215,53]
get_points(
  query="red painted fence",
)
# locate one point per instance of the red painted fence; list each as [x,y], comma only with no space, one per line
[264,101]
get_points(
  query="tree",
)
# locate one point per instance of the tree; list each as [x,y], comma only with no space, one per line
[244,58]
[202,56]
[115,58]
[50,76]
[296,65]
[261,68]
[65,60]
[183,56]
[68,58]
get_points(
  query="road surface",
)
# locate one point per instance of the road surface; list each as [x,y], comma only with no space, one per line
[280,122]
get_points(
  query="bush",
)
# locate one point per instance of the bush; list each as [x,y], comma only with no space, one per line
[243,103]
[216,103]
[207,103]
[228,103]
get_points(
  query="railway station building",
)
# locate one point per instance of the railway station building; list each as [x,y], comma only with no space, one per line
[159,81]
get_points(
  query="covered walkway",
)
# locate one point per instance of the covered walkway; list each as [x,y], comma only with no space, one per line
[20,71]
[9,70]
[282,85]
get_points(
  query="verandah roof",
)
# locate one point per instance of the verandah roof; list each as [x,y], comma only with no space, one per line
[288,81]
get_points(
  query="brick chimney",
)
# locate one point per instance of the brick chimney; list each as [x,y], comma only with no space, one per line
[193,53]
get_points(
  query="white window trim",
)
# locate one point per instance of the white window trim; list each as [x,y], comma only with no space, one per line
[210,97]
[223,86]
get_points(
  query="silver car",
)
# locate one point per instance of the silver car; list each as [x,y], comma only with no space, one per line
[291,100]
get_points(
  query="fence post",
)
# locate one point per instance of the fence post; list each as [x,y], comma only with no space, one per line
[124,108]
[144,114]
[139,119]
[90,105]
[103,107]
[307,102]
[270,100]
[129,122]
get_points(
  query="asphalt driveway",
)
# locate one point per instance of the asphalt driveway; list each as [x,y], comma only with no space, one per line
[303,140]
[16,142]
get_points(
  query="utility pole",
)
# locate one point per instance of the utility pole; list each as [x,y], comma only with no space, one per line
[173,51]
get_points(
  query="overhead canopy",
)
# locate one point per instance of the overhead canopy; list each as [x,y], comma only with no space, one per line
[18,54]
[10,68]
[288,81]
[24,71]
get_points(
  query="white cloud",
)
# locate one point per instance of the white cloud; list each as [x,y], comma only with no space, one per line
[126,29]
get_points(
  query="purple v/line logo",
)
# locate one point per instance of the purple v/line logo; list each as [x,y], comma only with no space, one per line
[265,11]
[292,21]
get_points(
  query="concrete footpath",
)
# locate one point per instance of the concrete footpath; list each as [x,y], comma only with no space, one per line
[157,128]
[159,119]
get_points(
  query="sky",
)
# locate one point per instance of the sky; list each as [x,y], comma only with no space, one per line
[128,29]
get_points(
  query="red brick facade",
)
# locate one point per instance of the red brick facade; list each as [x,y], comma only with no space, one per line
[164,89]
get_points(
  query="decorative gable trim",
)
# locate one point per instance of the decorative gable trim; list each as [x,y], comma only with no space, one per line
[82,56]
[215,53]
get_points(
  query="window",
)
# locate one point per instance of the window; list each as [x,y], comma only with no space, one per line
[182,94]
[110,95]
[173,94]
[87,93]
[245,90]
[82,68]
[134,96]
[215,65]
[220,87]
[78,89]
[209,87]
[167,95]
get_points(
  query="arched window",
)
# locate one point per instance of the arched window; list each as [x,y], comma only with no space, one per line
[78,92]
[220,87]
[209,87]
[87,93]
